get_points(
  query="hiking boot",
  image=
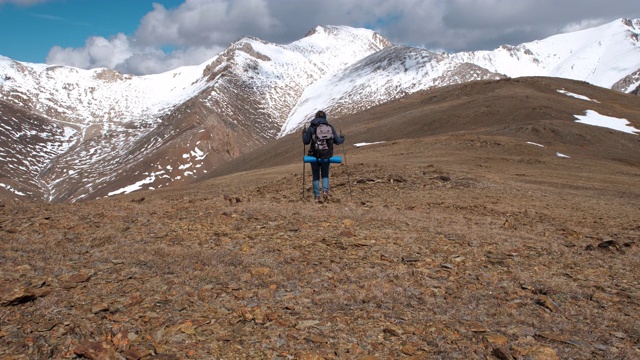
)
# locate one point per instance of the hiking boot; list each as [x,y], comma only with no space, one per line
[325,196]
[318,199]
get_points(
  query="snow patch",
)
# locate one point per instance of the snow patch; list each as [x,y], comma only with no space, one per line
[577,96]
[198,154]
[594,118]
[12,189]
[133,187]
[366,144]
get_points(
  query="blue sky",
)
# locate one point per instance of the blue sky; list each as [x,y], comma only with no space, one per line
[28,32]
[144,37]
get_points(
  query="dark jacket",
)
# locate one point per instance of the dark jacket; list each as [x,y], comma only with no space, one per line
[307,136]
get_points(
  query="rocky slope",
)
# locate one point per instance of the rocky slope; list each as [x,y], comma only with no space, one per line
[464,235]
[127,133]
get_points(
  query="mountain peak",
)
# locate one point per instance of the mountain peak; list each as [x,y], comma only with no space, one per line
[80,134]
[632,23]
[330,29]
[340,32]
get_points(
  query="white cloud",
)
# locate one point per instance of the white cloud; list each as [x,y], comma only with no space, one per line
[197,30]
[156,61]
[582,25]
[97,52]
[205,23]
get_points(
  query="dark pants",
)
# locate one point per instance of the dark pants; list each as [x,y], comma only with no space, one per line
[318,170]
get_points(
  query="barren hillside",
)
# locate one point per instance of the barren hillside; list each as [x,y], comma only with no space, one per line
[487,225]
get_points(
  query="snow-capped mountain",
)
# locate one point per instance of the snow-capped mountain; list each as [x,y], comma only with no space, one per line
[604,56]
[71,134]
[386,75]
[123,133]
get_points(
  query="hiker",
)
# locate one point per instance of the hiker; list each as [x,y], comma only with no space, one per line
[321,168]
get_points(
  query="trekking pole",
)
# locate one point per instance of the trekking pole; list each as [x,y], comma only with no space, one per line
[304,151]
[344,153]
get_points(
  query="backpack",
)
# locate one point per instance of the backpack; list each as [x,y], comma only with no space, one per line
[322,141]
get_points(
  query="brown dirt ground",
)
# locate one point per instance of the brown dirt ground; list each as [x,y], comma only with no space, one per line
[454,239]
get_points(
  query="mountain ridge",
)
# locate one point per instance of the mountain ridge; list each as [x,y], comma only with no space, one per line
[535,109]
[249,95]
[221,107]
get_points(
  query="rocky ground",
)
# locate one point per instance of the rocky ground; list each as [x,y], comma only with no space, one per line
[479,248]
